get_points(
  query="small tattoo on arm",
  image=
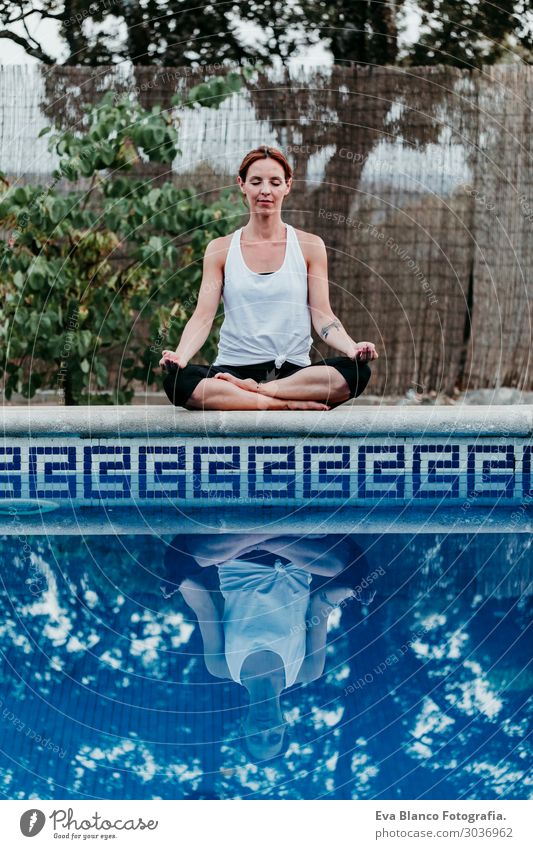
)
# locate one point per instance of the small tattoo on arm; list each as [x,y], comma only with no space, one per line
[325,330]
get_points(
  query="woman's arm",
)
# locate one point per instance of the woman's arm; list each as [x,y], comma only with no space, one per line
[199,599]
[199,325]
[325,322]
[316,637]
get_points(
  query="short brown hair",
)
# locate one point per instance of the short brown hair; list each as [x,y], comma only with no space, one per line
[263,152]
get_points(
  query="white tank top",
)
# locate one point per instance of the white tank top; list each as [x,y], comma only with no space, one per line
[265,608]
[266,316]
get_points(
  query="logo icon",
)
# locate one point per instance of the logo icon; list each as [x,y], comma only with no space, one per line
[32,822]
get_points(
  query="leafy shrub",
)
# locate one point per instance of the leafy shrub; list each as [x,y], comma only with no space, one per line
[80,270]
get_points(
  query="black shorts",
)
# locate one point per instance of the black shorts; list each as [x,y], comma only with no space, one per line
[180,383]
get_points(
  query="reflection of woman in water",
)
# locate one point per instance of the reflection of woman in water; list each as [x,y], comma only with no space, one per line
[277,595]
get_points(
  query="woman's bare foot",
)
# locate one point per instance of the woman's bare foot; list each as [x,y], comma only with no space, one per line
[242,383]
[257,388]
[253,386]
[249,384]
[306,405]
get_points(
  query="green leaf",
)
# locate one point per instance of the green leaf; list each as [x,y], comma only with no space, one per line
[56,210]
[20,195]
[87,165]
[70,170]
[155,243]
[85,367]
[159,135]
[234,81]
[87,337]
[107,154]
[153,198]
[101,373]
[36,282]
[171,255]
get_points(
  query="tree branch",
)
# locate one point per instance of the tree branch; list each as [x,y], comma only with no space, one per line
[42,12]
[37,51]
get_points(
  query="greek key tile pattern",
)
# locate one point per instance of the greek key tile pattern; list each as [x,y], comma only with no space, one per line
[279,471]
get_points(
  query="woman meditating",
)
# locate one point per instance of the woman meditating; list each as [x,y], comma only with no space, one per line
[273,280]
[263,616]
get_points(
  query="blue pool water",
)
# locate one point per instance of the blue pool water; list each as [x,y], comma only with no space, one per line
[417,687]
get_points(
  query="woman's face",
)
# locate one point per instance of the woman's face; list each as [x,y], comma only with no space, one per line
[265,744]
[264,728]
[265,187]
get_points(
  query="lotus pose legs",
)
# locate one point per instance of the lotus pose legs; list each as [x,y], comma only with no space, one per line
[314,383]
[213,394]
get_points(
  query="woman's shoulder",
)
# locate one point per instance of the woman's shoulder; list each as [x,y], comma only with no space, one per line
[219,247]
[221,242]
[309,242]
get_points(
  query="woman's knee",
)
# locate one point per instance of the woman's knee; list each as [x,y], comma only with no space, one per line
[179,385]
[362,375]
[169,382]
[172,389]
[197,397]
[357,375]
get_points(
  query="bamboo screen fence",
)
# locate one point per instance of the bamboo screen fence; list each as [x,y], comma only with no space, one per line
[420,182]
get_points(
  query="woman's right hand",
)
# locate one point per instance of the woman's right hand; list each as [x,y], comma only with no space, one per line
[172,357]
[364,351]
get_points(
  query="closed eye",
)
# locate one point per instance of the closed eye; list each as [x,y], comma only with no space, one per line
[272,739]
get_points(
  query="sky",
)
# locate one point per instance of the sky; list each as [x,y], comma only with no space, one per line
[46,33]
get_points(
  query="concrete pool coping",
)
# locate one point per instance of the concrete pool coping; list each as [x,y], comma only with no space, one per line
[163,521]
[385,460]
[346,420]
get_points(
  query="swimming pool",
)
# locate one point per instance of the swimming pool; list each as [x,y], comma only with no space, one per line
[424,692]
[284,606]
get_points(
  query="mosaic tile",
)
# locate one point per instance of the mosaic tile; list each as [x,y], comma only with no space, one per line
[277,470]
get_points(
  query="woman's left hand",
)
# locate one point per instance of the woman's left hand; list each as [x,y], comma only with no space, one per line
[364,351]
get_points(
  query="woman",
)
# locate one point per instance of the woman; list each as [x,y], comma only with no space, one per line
[274,283]
[270,631]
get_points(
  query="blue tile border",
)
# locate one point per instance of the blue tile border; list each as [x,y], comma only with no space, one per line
[276,470]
